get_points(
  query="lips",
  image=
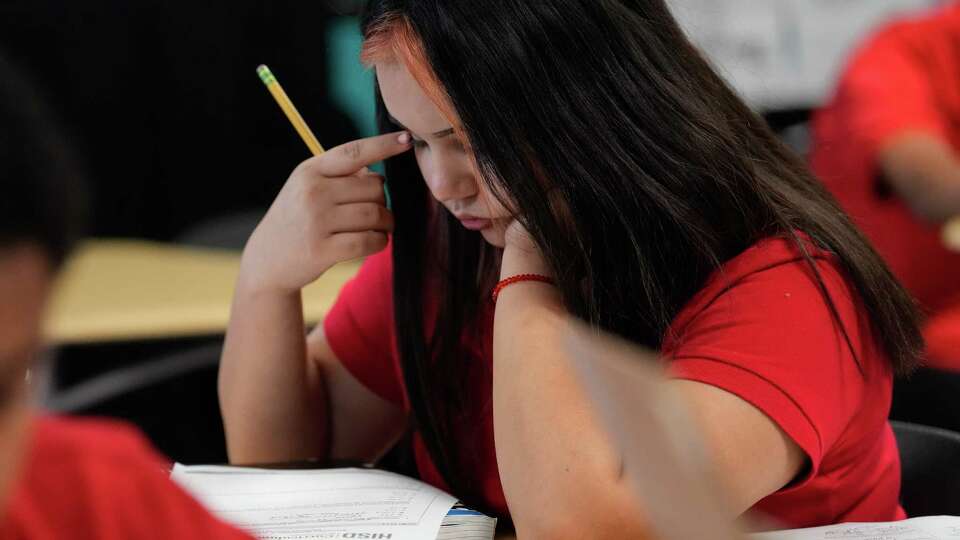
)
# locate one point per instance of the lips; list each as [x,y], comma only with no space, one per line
[474,223]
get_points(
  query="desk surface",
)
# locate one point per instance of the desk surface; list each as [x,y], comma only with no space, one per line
[121,290]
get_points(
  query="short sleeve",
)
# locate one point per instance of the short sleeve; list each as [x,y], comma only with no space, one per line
[360,330]
[770,339]
[891,87]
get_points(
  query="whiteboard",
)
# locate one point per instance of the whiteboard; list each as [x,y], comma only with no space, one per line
[784,54]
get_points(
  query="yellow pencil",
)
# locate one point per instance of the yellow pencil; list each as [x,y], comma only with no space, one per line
[292,114]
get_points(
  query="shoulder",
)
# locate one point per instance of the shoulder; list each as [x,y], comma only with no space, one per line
[762,328]
[775,312]
[366,301]
[378,267]
[772,276]
[371,287]
[904,45]
[360,329]
[924,27]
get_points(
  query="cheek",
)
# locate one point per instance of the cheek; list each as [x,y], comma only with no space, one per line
[494,208]
[448,170]
[487,198]
[490,202]
[423,161]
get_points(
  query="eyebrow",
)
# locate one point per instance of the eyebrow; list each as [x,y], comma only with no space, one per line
[437,135]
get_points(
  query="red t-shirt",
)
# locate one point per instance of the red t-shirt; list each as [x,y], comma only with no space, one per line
[759,329]
[906,78]
[101,480]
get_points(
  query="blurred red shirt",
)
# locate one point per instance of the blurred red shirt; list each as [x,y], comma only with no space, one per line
[85,479]
[905,78]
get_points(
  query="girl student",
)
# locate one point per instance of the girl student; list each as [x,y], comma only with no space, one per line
[580,158]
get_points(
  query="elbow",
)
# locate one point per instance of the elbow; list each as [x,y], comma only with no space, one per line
[556,533]
[581,531]
[556,530]
[587,521]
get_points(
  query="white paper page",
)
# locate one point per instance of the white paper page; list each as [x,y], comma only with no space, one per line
[925,528]
[327,504]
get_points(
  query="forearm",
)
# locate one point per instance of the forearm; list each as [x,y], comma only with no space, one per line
[271,397]
[925,172]
[272,393]
[560,473]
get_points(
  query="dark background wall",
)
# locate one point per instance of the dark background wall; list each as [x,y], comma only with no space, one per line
[164,103]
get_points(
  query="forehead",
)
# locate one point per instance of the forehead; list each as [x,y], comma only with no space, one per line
[25,277]
[406,101]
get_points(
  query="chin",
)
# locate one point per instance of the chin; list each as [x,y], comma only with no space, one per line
[494,236]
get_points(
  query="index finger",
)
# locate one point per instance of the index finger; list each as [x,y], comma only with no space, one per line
[353,156]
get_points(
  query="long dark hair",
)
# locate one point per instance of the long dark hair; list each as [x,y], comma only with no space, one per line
[660,173]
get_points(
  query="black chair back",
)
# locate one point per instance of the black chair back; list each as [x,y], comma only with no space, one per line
[930,478]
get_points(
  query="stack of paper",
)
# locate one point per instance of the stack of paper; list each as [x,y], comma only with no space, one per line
[464,524]
[924,528]
[331,504]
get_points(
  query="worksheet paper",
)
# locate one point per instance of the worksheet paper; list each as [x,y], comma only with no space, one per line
[323,504]
[924,528]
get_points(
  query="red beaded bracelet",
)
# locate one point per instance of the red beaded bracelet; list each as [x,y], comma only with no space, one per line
[517,279]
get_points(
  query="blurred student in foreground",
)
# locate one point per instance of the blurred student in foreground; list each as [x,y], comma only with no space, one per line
[62,478]
[888,146]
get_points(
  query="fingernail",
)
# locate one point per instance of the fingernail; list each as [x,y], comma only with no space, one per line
[404,138]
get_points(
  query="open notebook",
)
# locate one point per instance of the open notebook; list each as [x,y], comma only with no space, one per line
[331,504]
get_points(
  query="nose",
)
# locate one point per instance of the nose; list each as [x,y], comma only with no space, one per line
[450,178]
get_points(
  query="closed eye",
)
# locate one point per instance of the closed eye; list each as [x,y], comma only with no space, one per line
[418,143]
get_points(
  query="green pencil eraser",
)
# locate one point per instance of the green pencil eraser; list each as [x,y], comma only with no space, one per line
[265,75]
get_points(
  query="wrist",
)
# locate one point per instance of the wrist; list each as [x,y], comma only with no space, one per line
[253,280]
[517,261]
[519,279]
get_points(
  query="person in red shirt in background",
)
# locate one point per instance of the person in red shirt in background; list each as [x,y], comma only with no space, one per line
[888,146]
[63,478]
